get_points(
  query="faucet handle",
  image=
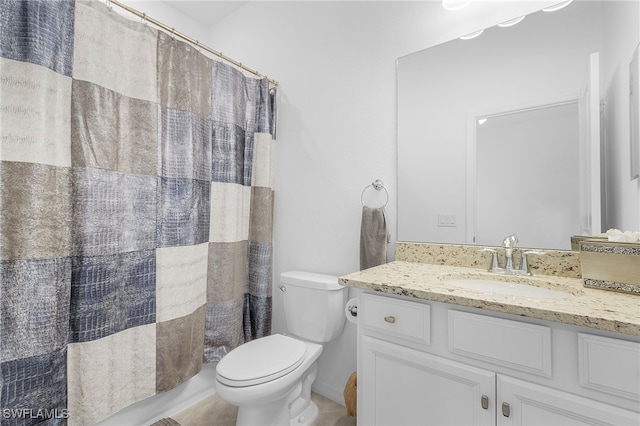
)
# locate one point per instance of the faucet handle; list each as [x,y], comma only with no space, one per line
[494,258]
[524,267]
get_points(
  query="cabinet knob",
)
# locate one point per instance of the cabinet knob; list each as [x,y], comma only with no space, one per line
[484,401]
[506,410]
[390,319]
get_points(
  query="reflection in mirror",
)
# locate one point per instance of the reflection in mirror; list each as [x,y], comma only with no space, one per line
[514,151]
[543,60]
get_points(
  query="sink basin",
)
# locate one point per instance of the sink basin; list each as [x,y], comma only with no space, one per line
[509,288]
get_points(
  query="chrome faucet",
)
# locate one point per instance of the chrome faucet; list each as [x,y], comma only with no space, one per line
[509,243]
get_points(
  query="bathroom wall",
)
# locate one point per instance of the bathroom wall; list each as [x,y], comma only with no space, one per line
[164,12]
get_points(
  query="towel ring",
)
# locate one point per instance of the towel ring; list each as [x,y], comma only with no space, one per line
[377,185]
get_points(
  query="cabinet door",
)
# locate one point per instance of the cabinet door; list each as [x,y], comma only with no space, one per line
[530,404]
[401,386]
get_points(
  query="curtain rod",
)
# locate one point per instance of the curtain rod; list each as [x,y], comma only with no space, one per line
[196,43]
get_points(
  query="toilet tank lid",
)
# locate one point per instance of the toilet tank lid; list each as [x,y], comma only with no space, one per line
[311,280]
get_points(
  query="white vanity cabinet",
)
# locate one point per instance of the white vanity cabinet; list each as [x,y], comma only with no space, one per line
[428,363]
[402,386]
[525,403]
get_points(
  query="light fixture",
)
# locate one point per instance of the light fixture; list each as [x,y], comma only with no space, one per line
[511,22]
[472,35]
[557,6]
[455,4]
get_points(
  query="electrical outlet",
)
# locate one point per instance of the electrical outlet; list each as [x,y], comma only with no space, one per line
[447,220]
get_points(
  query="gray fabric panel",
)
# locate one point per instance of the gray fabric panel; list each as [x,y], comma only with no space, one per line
[183,212]
[39,32]
[223,328]
[231,108]
[260,269]
[185,143]
[113,212]
[112,293]
[261,215]
[258,108]
[229,97]
[36,205]
[38,382]
[112,131]
[180,343]
[257,316]
[34,307]
[227,271]
[228,153]
[273,111]
[184,81]
[257,302]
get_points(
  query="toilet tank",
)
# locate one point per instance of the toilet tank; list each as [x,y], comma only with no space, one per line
[313,305]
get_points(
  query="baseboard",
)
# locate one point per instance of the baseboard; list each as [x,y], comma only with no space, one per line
[328,391]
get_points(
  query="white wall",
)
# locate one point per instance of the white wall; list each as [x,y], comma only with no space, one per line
[164,12]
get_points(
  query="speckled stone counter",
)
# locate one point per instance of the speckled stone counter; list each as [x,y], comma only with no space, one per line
[586,307]
[562,263]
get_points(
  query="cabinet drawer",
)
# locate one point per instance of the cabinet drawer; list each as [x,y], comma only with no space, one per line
[514,344]
[609,365]
[397,318]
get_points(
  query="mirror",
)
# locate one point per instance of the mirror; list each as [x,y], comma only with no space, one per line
[541,62]
[532,140]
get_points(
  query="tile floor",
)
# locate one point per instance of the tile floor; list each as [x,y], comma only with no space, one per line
[215,411]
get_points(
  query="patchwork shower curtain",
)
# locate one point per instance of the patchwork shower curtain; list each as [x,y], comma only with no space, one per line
[136,196]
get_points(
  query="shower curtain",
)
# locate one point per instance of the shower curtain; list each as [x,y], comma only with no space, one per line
[136,197]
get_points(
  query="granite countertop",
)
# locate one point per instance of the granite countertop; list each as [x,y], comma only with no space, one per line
[594,308]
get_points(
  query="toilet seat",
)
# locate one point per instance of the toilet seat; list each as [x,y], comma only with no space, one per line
[260,361]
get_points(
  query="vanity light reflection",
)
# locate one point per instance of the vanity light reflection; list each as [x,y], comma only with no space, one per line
[505,24]
[472,35]
[557,6]
[455,4]
[512,22]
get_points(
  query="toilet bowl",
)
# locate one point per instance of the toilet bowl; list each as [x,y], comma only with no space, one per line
[270,378]
[266,398]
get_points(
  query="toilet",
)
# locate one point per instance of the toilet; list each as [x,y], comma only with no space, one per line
[270,378]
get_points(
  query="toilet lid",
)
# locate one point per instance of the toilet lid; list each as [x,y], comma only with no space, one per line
[260,361]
